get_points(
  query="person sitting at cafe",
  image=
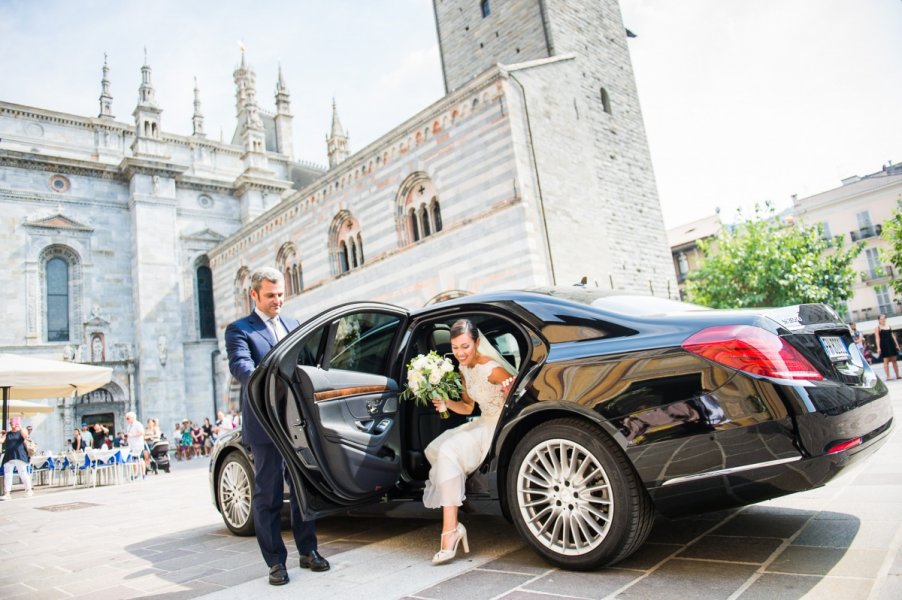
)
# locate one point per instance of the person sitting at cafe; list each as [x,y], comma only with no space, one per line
[78,442]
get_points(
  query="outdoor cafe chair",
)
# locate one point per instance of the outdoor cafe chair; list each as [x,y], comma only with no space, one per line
[42,465]
[102,463]
[75,465]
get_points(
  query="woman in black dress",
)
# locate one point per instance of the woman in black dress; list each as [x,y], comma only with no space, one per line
[15,456]
[887,347]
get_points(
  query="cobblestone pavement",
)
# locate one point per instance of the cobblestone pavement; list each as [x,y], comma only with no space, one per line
[162,538]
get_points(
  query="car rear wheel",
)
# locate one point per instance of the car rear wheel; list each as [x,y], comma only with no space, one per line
[575,498]
[235,490]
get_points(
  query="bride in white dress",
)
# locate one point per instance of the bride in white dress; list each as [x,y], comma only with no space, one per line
[458,452]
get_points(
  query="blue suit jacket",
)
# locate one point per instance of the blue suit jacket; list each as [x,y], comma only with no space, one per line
[247,342]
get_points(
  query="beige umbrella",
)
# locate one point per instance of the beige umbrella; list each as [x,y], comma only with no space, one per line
[25,408]
[24,377]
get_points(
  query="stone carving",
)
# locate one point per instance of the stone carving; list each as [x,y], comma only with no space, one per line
[97,348]
[156,184]
[161,346]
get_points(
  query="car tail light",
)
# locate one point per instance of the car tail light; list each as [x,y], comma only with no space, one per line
[753,350]
[839,447]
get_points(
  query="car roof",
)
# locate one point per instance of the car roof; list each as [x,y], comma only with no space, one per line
[578,297]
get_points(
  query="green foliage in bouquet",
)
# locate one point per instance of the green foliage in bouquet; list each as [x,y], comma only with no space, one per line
[431,376]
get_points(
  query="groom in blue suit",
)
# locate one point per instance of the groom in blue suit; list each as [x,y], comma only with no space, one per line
[247,342]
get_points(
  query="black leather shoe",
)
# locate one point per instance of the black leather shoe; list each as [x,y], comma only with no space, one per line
[278,575]
[314,561]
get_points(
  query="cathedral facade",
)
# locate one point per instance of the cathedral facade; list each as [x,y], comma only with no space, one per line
[532,170]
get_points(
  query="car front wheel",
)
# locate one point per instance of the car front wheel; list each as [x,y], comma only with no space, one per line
[235,489]
[574,496]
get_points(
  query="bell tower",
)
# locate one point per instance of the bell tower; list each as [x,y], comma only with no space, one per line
[568,63]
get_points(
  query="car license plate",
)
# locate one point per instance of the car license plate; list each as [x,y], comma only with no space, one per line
[835,348]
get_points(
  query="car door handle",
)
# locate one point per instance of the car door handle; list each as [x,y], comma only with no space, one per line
[365,426]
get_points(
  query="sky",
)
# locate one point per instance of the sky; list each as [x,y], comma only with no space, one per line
[744,102]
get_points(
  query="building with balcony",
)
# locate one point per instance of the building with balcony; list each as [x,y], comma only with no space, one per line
[855,212]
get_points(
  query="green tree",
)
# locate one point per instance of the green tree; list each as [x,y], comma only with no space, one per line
[766,262]
[892,233]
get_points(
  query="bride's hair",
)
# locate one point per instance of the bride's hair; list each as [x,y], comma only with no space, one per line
[464,327]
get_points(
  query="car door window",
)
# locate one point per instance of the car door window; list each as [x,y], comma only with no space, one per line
[362,342]
[311,347]
[507,347]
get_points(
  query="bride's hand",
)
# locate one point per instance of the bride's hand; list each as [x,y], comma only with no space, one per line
[438,404]
[506,385]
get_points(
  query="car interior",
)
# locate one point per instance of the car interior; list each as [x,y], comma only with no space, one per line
[421,423]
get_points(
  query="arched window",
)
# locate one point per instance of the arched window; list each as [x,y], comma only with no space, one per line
[289,282]
[343,256]
[346,243]
[287,260]
[243,302]
[419,213]
[205,313]
[605,101]
[57,277]
[436,215]
[424,220]
[414,225]
[297,278]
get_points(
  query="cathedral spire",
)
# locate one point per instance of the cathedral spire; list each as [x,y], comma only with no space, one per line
[283,118]
[250,124]
[146,91]
[197,121]
[337,141]
[106,98]
[283,104]
[148,122]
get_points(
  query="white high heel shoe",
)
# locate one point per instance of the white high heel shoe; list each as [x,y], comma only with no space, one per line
[444,555]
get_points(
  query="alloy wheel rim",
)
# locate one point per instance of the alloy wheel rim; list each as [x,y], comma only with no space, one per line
[235,494]
[565,498]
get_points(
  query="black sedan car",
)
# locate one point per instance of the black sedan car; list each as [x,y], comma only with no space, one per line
[623,406]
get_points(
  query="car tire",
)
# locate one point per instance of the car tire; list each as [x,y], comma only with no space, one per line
[574,496]
[234,493]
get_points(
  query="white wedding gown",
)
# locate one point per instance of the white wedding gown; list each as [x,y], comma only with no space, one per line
[458,452]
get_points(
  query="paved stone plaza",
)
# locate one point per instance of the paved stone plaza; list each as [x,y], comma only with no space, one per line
[162,538]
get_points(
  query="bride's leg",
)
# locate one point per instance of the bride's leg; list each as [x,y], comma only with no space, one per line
[449,523]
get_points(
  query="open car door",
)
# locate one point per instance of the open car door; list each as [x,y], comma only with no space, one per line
[327,397]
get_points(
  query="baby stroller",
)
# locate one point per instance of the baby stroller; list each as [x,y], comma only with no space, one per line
[159,455]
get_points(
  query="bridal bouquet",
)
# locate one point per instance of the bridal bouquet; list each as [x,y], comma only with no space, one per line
[432,376]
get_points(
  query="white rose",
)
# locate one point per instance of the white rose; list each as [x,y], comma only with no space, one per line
[420,363]
[447,367]
[414,385]
[435,376]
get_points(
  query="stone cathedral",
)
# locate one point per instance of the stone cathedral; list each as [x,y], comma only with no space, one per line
[134,247]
